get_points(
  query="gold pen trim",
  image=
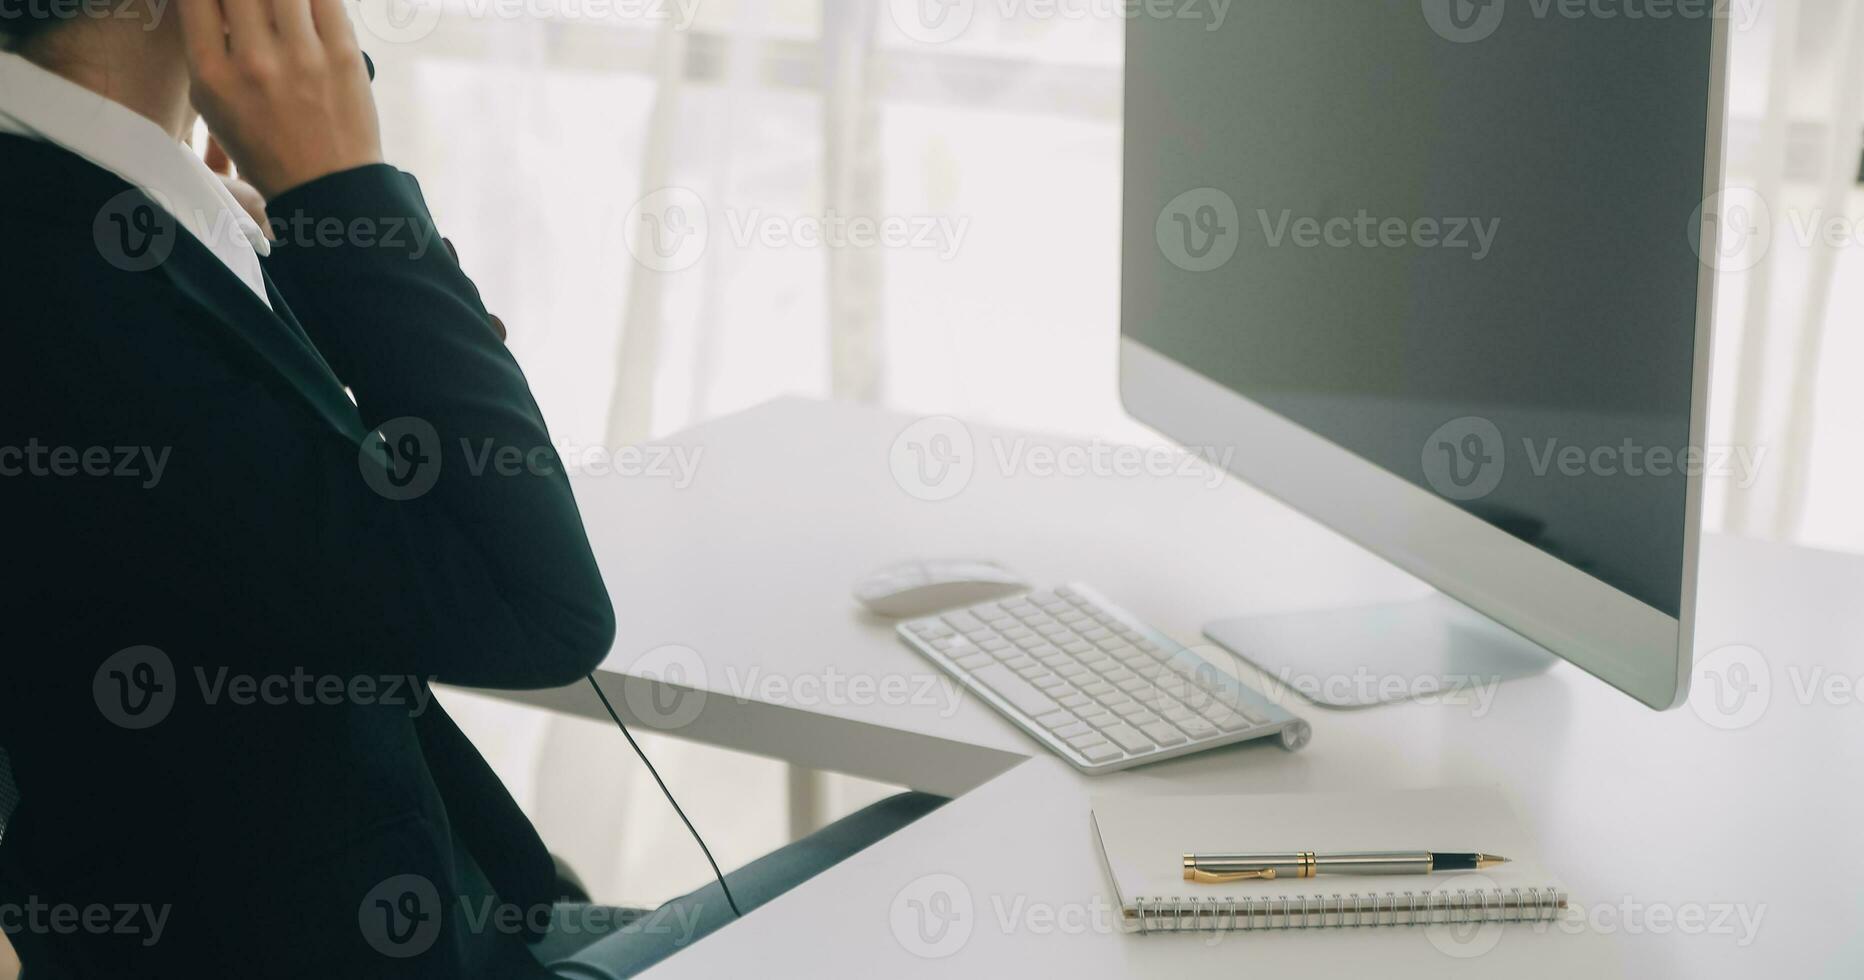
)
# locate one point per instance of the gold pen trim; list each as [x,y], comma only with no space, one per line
[1194,873]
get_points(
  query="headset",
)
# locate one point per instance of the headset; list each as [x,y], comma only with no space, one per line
[669,794]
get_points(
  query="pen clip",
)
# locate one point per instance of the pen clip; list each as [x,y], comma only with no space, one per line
[1203,877]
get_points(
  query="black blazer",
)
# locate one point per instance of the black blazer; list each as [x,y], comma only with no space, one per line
[288,814]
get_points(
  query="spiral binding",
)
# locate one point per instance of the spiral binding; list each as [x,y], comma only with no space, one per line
[1366,909]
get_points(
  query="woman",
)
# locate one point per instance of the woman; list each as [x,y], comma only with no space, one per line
[250,532]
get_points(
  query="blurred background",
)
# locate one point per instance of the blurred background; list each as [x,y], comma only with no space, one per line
[992,129]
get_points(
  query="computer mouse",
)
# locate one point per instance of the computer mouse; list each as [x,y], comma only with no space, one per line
[920,588]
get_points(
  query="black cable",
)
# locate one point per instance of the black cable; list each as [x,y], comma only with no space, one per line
[669,793]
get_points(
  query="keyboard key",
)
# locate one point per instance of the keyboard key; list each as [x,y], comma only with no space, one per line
[1071,730]
[1128,738]
[1225,719]
[1197,728]
[1055,719]
[1163,734]
[1086,740]
[1032,670]
[963,622]
[1096,688]
[1104,752]
[975,661]
[1127,709]
[1099,717]
[1076,700]
[1015,690]
[1050,684]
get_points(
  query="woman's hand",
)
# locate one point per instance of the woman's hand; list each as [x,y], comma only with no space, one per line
[247,195]
[283,88]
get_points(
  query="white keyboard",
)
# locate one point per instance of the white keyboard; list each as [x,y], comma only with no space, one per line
[1093,683]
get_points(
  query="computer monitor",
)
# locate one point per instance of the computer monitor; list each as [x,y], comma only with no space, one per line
[1432,270]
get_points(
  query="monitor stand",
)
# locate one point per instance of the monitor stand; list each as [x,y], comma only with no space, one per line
[1433,648]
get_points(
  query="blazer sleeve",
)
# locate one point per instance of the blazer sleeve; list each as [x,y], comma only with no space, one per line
[486,577]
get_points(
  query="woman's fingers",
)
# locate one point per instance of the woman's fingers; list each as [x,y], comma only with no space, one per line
[251,39]
[296,29]
[204,32]
[333,24]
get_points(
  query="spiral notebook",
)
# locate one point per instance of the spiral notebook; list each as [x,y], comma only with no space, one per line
[1143,839]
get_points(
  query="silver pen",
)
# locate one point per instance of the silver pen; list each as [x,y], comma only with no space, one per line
[1214,869]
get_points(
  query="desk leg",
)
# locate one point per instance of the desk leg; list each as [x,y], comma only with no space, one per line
[806,790]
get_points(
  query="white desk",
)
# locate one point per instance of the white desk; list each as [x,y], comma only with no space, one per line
[748,569]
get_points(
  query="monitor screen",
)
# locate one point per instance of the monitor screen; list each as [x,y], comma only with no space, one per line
[1451,237]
